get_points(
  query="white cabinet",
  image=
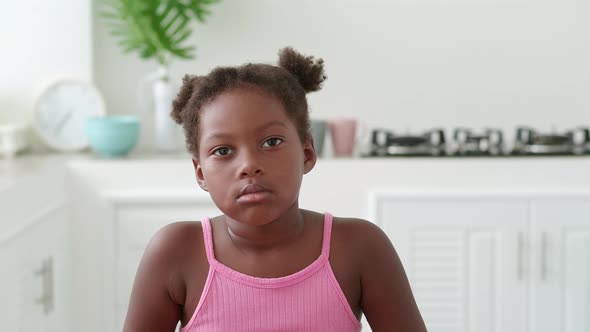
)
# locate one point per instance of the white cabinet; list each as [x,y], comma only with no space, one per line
[496,256]
[35,275]
[560,274]
[491,263]
[464,258]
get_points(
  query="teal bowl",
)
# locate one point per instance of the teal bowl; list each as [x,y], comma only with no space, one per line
[112,136]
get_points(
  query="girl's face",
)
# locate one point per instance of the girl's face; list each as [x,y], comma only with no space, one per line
[251,159]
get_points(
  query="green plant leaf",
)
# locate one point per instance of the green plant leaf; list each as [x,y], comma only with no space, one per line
[154,28]
[198,7]
[181,38]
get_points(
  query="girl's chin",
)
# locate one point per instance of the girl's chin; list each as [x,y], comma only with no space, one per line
[254,217]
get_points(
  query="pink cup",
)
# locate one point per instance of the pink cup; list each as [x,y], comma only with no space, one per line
[343,134]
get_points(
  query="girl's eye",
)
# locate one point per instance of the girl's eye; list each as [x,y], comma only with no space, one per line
[273,141]
[222,152]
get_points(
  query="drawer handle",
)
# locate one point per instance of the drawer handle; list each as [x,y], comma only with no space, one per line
[544,245]
[520,263]
[46,273]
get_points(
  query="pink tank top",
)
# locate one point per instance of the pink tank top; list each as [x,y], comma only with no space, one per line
[308,300]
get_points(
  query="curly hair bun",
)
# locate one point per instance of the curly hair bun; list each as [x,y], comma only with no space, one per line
[308,71]
[185,93]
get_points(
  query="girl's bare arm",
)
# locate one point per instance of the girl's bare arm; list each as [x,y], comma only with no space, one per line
[153,306]
[387,300]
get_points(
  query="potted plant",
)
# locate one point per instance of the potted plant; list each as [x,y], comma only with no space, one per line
[157,30]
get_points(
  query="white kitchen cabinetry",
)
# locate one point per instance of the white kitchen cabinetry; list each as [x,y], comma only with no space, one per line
[35,274]
[473,245]
[464,258]
[486,263]
[560,274]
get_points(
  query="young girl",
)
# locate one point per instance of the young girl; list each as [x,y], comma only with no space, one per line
[264,264]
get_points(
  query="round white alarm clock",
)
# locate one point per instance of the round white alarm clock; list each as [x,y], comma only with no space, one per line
[61,113]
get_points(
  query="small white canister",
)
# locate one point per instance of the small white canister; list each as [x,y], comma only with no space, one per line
[13,139]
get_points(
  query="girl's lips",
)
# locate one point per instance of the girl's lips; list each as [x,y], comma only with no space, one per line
[251,188]
[255,197]
[253,193]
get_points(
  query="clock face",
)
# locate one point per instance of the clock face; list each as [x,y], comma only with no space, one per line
[62,111]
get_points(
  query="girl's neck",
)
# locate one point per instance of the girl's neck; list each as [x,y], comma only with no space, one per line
[278,233]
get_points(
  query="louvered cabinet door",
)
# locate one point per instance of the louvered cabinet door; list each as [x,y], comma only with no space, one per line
[465,258]
[560,278]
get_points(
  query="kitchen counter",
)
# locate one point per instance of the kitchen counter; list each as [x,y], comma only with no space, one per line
[171,170]
[545,173]
[526,173]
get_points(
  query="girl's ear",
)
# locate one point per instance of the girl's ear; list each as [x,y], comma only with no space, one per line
[199,174]
[309,155]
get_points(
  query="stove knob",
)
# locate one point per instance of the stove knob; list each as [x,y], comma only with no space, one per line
[579,136]
[380,137]
[461,135]
[483,143]
[525,135]
[436,137]
[494,137]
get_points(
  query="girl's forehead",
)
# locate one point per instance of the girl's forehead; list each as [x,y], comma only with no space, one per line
[247,105]
[246,93]
[242,111]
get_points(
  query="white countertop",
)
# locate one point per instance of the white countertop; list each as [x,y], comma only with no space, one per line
[171,171]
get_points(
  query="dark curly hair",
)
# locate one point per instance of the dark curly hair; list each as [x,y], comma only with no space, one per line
[294,76]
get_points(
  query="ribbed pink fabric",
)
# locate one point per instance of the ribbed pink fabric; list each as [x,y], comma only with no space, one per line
[308,300]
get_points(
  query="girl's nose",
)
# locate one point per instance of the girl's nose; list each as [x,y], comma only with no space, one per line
[250,166]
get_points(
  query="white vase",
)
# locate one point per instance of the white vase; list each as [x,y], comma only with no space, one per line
[166,131]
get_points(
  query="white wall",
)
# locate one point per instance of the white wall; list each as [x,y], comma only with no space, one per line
[42,41]
[403,64]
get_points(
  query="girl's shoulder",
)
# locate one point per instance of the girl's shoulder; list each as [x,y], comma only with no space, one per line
[176,243]
[387,298]
[174,251]
[356,229]
[358,237]
[177,237]
[181,243]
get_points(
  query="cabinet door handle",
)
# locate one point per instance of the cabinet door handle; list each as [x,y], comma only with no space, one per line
[520,262]
[46,274]
[544,256]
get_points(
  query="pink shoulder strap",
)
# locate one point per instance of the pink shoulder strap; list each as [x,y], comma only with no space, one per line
[208,237]
[327,235]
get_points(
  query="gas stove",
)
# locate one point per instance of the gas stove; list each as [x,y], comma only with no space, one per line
[573,142]
[487,142]
[386,143]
